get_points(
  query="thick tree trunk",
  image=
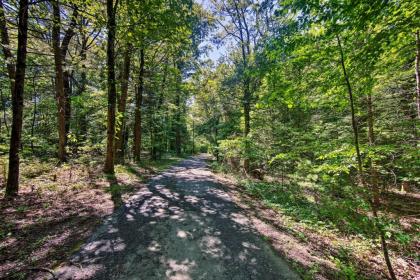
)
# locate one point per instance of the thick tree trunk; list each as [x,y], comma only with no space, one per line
[375,198]
[12,186]
[137,120]
[59,82]
[112,91]
[122,104]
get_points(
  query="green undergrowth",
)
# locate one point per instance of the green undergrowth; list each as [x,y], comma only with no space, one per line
[335,213]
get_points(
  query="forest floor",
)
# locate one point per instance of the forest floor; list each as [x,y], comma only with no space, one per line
[58,207]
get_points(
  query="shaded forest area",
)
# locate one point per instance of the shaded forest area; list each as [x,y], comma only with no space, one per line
[312,108]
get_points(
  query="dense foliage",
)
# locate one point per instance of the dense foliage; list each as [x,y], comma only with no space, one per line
[320,98]
[334,106]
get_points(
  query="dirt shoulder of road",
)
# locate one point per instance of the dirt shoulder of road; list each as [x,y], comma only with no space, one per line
[58,208]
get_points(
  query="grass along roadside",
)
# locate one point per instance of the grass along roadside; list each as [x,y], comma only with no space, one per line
[330,239]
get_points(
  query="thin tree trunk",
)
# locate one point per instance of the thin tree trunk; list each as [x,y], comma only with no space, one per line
[33,116]
[8,57]
[112,91]
[178,142]
[5,42]
[137,120]
[67,95]
[122,104]
[12,186]
[418,72]
[3,102]
[82,123]
[359,158]
[193,137]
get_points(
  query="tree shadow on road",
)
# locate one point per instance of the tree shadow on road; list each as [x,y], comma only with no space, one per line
[182,225]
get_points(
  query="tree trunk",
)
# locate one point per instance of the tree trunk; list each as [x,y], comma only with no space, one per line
[375,199]
[137,121]
[33,116]
[12,186]
[67,95]
[122,104]
[5,42]
[3,102]
[112,91]
[178,142]
[418,72]
[82,120]
[247,119]
[59,83]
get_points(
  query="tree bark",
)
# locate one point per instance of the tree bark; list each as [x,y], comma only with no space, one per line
[112,91]
[137,120]
[82,120]
[33,115]
[122,104]
[418,72]
[12,186]
[178,142]
[5,42]
[59,82]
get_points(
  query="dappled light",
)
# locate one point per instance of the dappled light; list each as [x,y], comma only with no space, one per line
[182,225]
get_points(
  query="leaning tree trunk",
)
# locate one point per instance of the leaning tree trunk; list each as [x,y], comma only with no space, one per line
[12,186]
[122,104]
[137,118]
[112,91]
[374,200]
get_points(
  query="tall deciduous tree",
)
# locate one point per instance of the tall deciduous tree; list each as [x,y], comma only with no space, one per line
[17,100]
[62,77]
[111,9]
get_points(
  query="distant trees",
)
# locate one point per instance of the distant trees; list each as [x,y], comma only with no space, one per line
[82,42]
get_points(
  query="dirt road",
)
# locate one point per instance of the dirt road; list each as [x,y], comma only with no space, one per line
[182,225]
